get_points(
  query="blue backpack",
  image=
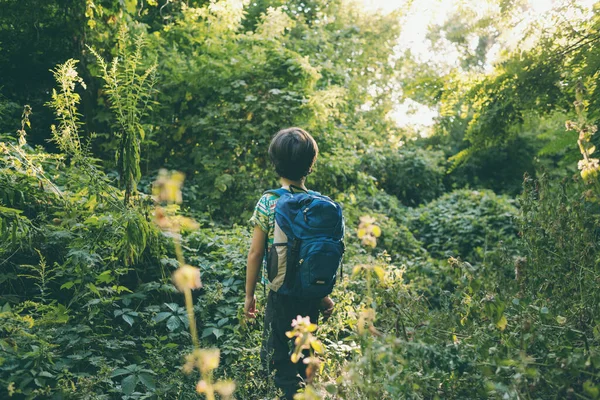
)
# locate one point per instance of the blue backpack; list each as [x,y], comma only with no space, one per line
[308,244]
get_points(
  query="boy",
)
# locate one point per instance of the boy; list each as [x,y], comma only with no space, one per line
[293,153]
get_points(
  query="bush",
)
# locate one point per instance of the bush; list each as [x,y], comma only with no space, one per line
[464,223]
[560,246]
[413,175]
[390,215]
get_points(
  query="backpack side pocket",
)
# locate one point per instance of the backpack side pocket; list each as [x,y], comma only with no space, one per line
[277,259]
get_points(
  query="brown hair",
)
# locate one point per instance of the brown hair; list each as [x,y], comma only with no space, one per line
[293,152]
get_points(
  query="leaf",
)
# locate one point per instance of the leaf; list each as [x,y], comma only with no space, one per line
[218,333]
[147,380]
[223,182]
[67,285]
[331,389]
[119,371]
[207,332]
[380,273]
[128,384]
[502,323]
[104,277]
[161,316]
[93,288]
[128,319]
[172,306]
[561,320]
[317,346]
[173,323]
[375,230]
[121,289]
[591,389]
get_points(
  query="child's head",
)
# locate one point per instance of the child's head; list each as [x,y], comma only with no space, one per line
[293,152]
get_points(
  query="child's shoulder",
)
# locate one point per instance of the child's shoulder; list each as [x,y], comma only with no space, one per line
[267,200]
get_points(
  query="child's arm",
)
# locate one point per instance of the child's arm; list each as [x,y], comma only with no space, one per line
[326,307]
[255,257]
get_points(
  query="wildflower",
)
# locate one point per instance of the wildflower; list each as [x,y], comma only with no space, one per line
[589,167]
[205,360]
[167,187]
[302,331]
[187,277]
[365,322]
[225,388]
[313,365]
[368,232]
[208,359]
[201,386]
[162,220]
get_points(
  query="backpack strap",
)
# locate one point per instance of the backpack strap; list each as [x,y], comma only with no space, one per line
[279,192]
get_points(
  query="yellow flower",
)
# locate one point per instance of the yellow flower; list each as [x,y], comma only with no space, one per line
[162,220]
[187,277]
[167,186]
[365,320]
[369,241]
[208,359]
[225,388]
[201,386]
[368,232]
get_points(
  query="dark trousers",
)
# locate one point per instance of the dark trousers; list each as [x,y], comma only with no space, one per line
[275,354]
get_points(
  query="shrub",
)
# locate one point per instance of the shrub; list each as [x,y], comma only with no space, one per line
[560,245]
[412,174]
[396,238]
[464,223]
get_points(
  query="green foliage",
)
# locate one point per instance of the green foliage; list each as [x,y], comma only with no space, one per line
[44,33]
[465,223]
[129,91]
[413,175]
[499,168]
[229,90]
[559,229]
[451,304]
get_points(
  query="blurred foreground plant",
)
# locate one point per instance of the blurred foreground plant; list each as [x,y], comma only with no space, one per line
[303,332]
[166,192]
[588,166]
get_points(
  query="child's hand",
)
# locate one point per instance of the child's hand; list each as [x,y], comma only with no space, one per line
[326,307]
[250,307]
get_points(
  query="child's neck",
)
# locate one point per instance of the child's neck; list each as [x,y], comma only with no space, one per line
[287,183]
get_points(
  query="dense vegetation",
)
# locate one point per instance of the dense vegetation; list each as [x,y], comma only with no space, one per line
[474,273]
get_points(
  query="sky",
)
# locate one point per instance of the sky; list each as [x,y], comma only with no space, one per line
[424,13]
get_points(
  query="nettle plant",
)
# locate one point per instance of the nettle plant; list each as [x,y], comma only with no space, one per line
[130,89]
[166,192]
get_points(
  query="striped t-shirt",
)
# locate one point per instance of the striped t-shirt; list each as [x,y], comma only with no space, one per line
[264,215]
